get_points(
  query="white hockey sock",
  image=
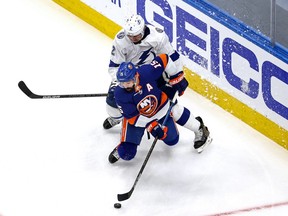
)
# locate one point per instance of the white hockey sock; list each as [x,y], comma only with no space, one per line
[185,118]
[113,112]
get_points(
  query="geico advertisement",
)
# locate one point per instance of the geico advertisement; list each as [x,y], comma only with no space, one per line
[215,52]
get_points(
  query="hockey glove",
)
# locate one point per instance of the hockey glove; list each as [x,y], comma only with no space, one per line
[156,130]
[179,82]
[110,99]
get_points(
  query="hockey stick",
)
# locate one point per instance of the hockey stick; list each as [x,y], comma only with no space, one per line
[30,94]
[125,196]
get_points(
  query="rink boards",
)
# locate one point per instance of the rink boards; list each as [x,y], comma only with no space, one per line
[233,67]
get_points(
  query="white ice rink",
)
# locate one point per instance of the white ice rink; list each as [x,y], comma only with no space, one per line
[53,153]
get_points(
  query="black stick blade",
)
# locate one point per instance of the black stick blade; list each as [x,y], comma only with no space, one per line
[30,94]
[27,91]
[125,196]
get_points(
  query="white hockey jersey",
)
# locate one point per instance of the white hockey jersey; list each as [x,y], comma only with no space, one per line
[154,42]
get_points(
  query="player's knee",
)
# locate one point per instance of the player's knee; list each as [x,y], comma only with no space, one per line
[127,150]
[113,112]
[171,141]
[181,114]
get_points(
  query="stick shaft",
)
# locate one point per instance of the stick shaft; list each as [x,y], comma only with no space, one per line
[125,196]
[31,95]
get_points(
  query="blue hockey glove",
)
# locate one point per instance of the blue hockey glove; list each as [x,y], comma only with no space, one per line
[110,99]
[179,82]
[156,130]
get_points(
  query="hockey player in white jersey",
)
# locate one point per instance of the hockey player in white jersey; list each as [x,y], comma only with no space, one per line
[139,43]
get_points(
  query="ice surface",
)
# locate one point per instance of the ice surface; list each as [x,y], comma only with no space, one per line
[53,153]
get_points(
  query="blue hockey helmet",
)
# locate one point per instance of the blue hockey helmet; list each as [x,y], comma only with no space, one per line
[126,72]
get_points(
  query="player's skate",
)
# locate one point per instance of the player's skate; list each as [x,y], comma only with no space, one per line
[202,137]
[110,122]
[113,156]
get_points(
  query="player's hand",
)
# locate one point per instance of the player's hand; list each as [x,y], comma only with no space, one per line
[110,99]
[156,130]
[179,82]
[112,86]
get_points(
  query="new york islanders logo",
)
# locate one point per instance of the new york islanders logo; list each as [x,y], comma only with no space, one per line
[148,106]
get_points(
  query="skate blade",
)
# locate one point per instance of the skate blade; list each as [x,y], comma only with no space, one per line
[208,141]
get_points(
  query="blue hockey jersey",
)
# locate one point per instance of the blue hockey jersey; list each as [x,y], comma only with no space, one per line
[147,102]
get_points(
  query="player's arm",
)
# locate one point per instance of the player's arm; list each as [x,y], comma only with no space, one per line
[126,106]
[117,56]
[176,79]
[164,46]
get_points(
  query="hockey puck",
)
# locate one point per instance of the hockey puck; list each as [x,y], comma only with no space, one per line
[117,205]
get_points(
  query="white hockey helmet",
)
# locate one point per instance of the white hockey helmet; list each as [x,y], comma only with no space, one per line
[134,25]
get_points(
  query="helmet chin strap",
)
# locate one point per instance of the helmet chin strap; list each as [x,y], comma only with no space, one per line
[136,87]
[142,36]
[130,89]
[138,42]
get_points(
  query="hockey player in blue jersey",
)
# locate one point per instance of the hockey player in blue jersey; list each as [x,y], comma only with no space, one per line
[144,106]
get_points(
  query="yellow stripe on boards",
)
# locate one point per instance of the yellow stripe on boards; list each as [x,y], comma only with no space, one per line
[201,86]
